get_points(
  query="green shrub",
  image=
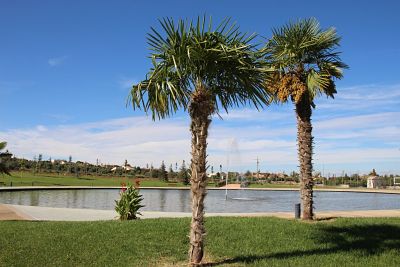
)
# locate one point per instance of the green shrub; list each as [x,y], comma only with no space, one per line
[129,204]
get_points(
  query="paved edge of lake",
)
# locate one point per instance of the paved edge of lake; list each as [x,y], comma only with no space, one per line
[35,213]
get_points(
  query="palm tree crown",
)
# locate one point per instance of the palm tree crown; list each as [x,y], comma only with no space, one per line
[192,56]
[304,61]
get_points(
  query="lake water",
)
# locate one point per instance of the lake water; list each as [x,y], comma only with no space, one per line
[179,200]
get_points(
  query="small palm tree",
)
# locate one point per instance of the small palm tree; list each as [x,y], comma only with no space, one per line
[201,70]
[3,166]
[304,65]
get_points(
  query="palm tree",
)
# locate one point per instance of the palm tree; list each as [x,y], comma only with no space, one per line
[304,64]
[3,167]
[201,70]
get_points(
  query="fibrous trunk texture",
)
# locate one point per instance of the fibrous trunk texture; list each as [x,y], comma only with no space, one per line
[200,111]
[305,150]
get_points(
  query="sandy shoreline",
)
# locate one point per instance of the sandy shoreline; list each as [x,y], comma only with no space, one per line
[35,213]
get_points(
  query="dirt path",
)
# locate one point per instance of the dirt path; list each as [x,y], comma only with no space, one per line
[9,214]
[231,186]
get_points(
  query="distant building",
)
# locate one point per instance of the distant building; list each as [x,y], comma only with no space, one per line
[211,174]
[58,161]
[396,180]
[374,182]
[261,175]
[127,167]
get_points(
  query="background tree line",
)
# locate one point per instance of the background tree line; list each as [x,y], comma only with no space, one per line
[80,168]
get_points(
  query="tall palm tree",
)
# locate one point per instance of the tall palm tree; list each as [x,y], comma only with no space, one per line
[201,70]
[3,166]
[305,64]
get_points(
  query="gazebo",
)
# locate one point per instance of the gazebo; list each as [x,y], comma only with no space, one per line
[374,181]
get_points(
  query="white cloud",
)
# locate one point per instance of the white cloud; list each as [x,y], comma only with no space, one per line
[362,98]
[364,121]
[360,138]
[142,141]
[10,87]
[41,128]
[137,139]
[56,61]
[370,92]
[252,115]
[361,155]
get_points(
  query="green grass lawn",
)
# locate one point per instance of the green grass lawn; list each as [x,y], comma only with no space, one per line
[230,242]
[29,179]
[48,179]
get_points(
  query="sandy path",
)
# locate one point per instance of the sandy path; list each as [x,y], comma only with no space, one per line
[8,213]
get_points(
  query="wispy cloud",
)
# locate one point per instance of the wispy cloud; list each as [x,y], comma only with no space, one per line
[370,92]
[60,118]
[126,83]
[143,141]
[56,61]
[365,121]
[251,115]
[353,139]
[364,98]
[111,141]
[9,87]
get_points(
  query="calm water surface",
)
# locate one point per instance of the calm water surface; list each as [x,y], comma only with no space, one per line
[179,200]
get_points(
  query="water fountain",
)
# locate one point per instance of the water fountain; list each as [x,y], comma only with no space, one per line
[233,157]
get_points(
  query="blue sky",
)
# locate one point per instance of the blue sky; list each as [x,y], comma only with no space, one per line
[66,68]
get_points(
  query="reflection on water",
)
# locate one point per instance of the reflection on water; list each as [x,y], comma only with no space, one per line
[183,201]
[179,200]
[162,200]
[34,199]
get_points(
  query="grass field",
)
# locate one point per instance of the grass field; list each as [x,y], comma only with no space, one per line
[47,179]
[230,242]
[30,179]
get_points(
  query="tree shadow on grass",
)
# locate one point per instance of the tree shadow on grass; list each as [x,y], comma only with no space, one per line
[372,239]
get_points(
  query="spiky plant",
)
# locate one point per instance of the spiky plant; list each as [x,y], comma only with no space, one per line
[201,70]
[305,64]
[129,203]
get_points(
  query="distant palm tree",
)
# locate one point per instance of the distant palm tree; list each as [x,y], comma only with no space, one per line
[3,166]
[201,70]
[304,64]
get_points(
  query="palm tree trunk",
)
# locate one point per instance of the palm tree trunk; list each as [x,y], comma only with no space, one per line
[200,111]
[305,150]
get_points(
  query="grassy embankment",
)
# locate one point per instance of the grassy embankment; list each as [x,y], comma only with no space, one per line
[29,179]
[230,242]
[47,179]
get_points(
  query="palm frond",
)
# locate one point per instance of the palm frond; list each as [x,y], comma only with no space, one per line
[3,167]
[3,145]
[315,81]
[304,49]
[184,53]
